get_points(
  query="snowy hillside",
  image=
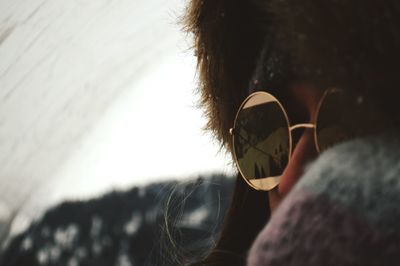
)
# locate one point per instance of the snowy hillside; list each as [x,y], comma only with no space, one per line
[151,225]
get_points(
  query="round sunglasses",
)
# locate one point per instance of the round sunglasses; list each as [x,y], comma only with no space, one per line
[262,134]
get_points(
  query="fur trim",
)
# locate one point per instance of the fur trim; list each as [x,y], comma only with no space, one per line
[348,43]
[228,35]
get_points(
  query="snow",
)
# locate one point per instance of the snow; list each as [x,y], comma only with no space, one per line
[133,224]
[95,229]
[196,217]
[65,237]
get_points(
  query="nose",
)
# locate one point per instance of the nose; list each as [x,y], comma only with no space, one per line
[304,152]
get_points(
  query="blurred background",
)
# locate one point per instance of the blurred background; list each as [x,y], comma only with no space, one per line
[95,96]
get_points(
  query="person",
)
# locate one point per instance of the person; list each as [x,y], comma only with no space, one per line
[335,207]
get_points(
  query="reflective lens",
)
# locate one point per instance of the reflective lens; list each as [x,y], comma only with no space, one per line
[261,140]
[343,116]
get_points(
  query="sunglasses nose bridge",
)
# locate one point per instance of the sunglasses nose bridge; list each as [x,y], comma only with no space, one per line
[292,136]
[304,125]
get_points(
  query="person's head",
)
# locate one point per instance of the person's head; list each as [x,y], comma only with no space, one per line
[294,50]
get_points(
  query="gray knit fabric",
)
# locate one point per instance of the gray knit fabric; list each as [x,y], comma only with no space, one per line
[344,211]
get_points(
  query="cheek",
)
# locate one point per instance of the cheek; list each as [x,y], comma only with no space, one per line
[303,153]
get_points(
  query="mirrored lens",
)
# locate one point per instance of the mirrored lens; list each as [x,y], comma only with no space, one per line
[343,116]
[261,141]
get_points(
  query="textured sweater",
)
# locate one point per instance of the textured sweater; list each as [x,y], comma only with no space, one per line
[344,211]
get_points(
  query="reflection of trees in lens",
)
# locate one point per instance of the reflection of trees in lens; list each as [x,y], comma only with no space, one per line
[257,173]
[275,167]
[268,157]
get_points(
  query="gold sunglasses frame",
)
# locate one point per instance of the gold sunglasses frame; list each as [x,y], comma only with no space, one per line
[269,183]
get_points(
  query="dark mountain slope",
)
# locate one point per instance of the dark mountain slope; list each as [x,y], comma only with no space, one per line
[152,225]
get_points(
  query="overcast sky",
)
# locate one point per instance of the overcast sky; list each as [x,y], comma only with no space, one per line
[95,95]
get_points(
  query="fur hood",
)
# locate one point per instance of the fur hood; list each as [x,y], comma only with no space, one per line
[352,44]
